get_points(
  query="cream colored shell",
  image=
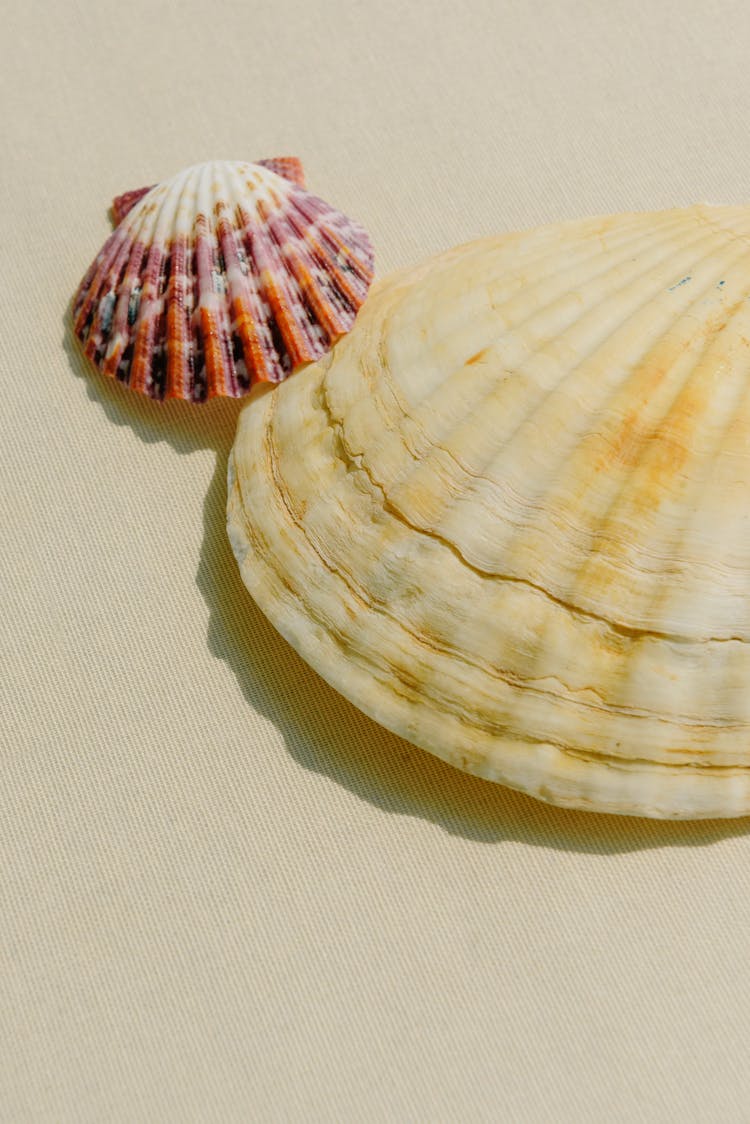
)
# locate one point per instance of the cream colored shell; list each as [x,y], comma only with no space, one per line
[509,515]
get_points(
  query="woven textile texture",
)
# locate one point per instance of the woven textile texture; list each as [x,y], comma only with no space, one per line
[225,895]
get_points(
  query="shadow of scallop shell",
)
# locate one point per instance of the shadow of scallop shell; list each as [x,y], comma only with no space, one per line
[226,275]
[508,517]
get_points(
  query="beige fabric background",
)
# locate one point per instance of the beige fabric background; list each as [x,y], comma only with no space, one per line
[224,894]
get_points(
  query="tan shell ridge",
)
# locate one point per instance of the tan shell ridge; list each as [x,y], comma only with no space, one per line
[507,517]
[228,274]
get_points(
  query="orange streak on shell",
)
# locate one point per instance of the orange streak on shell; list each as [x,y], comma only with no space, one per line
[110,364]
[326,313]
[215,369]
[293,340]
[140,369]
[255,357]
[348,256]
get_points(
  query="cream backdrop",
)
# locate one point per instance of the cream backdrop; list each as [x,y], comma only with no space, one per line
[224,894]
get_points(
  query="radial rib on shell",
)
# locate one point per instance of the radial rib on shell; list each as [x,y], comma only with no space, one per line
[509,517]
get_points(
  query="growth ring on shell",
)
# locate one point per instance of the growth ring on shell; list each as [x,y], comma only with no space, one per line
[508,517]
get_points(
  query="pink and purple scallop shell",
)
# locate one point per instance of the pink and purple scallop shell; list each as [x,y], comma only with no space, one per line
[227,274]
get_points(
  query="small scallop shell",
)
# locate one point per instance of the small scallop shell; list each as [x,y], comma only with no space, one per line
[509,516]
[228,274]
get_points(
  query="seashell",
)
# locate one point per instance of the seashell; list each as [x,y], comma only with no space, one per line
[226,275]
[508,517]
[121,204]
[288,167]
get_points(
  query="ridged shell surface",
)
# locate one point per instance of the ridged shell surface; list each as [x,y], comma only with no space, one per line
[288,167]
[509,515]
[228,274]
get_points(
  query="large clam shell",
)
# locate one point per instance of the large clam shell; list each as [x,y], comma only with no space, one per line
[509,515]
[228,274]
